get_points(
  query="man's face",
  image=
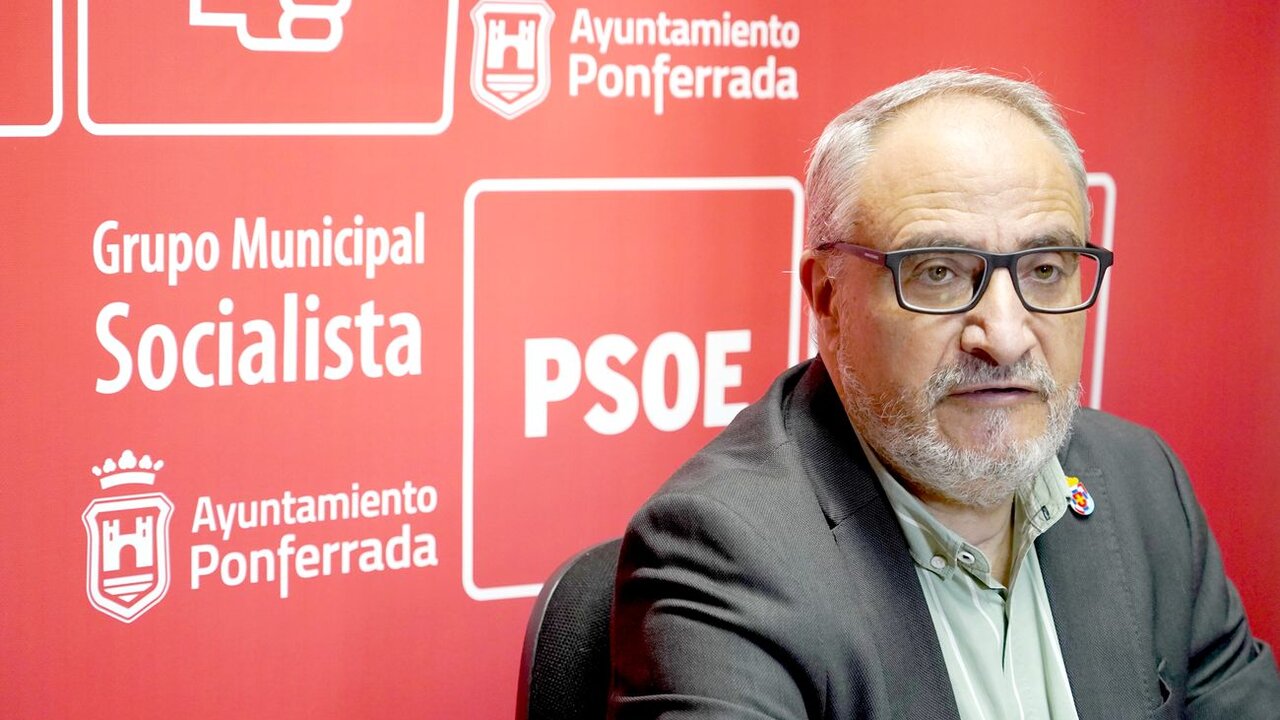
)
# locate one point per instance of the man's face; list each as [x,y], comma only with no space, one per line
[992,383]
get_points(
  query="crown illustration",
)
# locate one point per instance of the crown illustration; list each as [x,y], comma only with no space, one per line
[128,470]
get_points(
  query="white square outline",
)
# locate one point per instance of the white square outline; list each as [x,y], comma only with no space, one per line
[1108,185]
[611,184]
[434,127]
[55,117]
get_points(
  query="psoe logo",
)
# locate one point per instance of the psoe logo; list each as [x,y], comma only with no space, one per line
[128,561]
[511,55]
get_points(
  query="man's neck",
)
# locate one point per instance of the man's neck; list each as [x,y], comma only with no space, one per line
[990,529]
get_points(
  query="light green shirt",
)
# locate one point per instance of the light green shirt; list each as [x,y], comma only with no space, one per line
[999,643]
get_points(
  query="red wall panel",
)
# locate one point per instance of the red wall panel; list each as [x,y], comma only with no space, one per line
[573,208]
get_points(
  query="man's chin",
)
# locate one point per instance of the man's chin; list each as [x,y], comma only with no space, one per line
[993,431]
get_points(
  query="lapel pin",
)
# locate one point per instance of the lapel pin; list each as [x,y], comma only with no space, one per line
[1078,497]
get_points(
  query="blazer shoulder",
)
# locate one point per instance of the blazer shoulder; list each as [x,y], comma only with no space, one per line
[753,456]
[1101,440]
[1091,423]
[752,472]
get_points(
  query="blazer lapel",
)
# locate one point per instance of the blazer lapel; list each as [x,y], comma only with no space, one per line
[875,552]
[1093,611]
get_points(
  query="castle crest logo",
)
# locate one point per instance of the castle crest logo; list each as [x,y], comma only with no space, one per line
[511,55]
[128,540]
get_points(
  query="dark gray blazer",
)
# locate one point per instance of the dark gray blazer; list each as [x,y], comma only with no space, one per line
[769,579]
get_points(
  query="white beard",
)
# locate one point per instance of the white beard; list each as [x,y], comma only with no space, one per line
[903,430]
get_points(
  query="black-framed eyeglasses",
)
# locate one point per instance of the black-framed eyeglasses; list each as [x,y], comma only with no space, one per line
[944,280]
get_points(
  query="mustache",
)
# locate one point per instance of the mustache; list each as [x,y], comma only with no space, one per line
[972,371]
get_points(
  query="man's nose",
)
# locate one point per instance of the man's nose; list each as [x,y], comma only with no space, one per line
[997,328]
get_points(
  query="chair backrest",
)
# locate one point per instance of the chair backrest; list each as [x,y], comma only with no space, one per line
[564,669]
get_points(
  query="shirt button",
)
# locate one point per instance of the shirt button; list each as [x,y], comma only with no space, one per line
[965,557]
[938,562]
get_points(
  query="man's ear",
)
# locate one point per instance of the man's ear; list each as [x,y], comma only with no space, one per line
[819,290]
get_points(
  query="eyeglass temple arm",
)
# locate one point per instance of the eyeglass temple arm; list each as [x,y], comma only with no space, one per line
[868,254]
[871,256]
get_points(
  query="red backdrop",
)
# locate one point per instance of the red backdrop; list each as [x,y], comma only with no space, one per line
[546,270]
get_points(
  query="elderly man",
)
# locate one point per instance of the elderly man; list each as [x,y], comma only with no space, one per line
[921,522]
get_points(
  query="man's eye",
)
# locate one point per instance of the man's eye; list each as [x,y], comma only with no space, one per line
[937,273]
[1046,273]
[1049,267]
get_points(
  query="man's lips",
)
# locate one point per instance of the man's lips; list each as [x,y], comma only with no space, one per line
[995,393]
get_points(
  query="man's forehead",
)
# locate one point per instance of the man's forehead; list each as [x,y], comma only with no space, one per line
[964,133]
[960,157]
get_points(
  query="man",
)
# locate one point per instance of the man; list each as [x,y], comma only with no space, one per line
[921,523]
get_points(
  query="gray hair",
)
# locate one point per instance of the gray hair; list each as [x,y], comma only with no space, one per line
[831,186]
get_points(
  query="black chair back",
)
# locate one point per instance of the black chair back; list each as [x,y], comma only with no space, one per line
[564,669]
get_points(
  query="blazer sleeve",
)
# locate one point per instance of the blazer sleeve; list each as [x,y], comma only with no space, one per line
[1230,673]
[707,619]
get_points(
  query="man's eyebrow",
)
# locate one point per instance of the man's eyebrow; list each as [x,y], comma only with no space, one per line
[1061,237]
[933,240]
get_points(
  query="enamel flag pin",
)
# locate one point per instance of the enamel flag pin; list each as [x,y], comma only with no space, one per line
[1078,497]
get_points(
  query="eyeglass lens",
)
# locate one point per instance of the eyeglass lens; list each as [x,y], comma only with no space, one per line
[1050,280]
